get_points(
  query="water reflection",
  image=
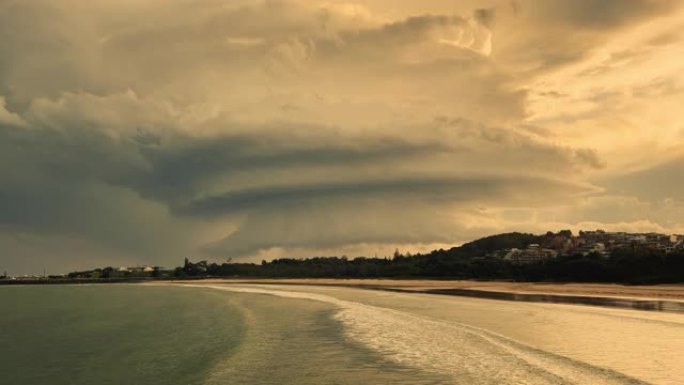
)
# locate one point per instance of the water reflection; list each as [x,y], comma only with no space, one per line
[624,303]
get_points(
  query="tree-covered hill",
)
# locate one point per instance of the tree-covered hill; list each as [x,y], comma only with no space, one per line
[479,259]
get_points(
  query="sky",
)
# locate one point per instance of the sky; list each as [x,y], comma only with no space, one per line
[142,132]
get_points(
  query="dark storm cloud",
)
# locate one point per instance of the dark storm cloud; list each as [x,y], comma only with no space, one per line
[147,131]
[600,14]
[173,169]
[544,35]
[86,183]
[655,183]
[395,212]
[426,190]
[179,166]
[61,185]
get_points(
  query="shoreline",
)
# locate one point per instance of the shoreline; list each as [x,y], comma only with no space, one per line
[655,292]
[616,290]
[664,297]
[661,298]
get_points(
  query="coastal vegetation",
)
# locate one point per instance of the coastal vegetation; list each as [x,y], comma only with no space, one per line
[559,257]
[479,259]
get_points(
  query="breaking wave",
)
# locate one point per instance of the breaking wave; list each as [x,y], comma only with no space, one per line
[468,354]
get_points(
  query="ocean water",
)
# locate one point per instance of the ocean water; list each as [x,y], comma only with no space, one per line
[270,334]
[134,334]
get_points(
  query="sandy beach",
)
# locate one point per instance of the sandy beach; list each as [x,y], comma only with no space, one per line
[671,292]
[487,341]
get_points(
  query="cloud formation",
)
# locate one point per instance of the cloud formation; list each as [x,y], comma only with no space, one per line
[144,132]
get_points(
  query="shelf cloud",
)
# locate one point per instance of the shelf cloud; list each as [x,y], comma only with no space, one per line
[145,132]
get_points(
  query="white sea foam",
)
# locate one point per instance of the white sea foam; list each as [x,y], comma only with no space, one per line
[470,355]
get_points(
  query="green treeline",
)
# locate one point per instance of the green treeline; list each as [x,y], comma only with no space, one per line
[474,260]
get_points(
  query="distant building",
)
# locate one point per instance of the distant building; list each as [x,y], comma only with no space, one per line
[534,253]
[593,248]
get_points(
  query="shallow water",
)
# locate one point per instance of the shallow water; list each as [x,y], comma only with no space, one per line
[623,303]
[475,341]
[114,334]
[133,334]
[269,334]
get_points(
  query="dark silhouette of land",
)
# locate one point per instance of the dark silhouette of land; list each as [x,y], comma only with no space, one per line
[511,256]
[552,257]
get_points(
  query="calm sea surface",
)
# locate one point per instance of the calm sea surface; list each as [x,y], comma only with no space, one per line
[269,334]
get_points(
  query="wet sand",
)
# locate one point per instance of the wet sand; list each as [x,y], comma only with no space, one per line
[670,292]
